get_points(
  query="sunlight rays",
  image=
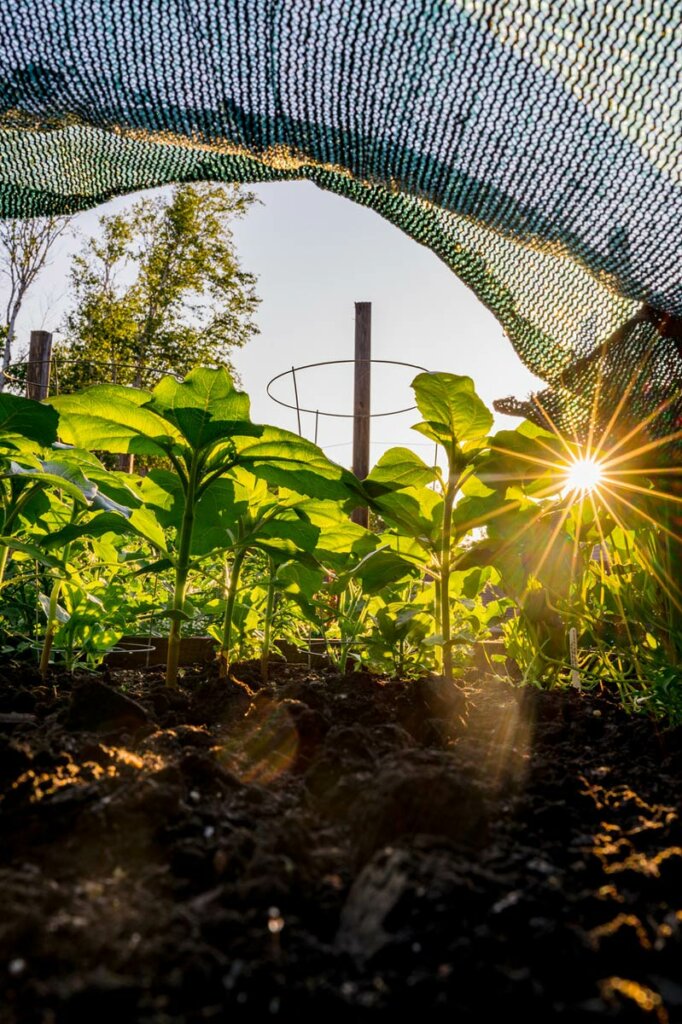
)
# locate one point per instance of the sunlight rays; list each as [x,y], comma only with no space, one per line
[621,472]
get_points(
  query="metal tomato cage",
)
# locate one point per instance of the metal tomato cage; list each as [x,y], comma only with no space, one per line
[298,408]
[361,416]
[362,413]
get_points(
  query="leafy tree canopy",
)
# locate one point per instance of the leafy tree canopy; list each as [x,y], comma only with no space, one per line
[159,289]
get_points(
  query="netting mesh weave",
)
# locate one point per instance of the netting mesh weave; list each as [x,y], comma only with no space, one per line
[534,146]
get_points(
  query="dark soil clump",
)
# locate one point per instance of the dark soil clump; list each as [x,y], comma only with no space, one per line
[337,845]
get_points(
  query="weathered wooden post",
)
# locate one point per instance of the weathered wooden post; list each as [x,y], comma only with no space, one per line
[362,399]
[38,368]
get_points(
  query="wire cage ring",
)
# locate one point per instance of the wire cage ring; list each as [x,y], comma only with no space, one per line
[337,362]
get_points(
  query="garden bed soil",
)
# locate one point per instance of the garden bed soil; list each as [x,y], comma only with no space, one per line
[335,847]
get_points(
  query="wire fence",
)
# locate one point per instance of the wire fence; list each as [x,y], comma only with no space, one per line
[66,374]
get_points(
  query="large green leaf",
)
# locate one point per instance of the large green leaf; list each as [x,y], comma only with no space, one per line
[33,508]
[299,580]
[35,551]
[396,622]
[64,471]
[407,547]
[113,418]
[529,542]
[287,534]
[28,418]
[68,478]
[375,571]
[205,407]
[452,411]
[99,524]
[287,460]
[397,468]
[476,510]
[218,514]
[414,511]
[162,492]
[145,524]
[254,493]
[120,487]
[339,538]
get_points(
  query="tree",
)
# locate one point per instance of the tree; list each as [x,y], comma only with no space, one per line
[159,290]
[24,248]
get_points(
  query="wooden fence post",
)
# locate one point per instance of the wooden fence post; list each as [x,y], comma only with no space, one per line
[38,368]
[362,399]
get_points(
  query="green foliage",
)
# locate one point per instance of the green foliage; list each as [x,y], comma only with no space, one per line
[159,289]
[458,421]
[243,531]
[202,426]
[61,496]
[454,415]
[22,419]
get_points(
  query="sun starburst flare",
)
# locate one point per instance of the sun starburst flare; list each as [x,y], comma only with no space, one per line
[584,475]
[623,473]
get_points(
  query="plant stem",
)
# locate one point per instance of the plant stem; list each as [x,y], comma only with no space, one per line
[448,504]
[267,629]
[50,631]
[226,652]
[181,574]
[54,601]
[4,559]
[437,615]
[351,621]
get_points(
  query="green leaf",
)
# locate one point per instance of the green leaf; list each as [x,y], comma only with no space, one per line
[37,506]
[100,524]
[453,412]
[398,468]
[476,511]
[145,524]
[473,487]
[297,579]
[407,547]
[529,543]
[287,460]
[28,418]
[287,535]
[339,538]
[119,487]
[175,613]
[113,418]
[32,550]
[396,623]
[216,513]
[475,581]
[152,568]
[375,571]
[67,478]
[205,407]
[161,490]
[413,511]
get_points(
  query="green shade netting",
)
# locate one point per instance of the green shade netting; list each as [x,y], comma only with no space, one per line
[534,146]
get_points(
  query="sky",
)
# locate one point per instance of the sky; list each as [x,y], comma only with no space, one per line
[316,254]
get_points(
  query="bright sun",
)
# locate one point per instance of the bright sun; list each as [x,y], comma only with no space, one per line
[584,475]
